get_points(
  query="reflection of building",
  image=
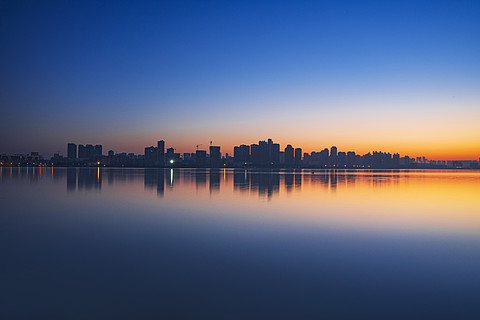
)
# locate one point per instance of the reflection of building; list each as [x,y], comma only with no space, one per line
[241,180]
[214,180]
[88,178]
[288,179]
[298,180]
[200,179]
[155,178]
[71,179]
[265,184]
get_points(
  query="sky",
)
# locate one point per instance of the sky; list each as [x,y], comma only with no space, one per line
[396,76]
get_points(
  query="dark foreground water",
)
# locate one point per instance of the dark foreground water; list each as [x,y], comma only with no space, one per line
[235,244]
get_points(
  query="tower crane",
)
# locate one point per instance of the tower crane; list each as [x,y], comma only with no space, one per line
[198,145]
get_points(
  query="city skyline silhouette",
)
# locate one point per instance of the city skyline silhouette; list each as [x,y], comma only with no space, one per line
[264,154]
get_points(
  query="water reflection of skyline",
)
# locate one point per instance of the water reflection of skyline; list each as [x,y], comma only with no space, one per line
[386,198]
[265,184]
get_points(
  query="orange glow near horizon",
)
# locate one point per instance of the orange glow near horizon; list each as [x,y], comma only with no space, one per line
[464,150]
[447,134]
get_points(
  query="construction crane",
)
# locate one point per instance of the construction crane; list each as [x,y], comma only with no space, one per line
[198,145]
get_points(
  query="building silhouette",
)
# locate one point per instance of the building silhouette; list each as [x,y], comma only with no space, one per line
[241,154]
[333,156]
[215,156]
[71,151]
[161,152]
[298,157]
[201,158]
[289,156]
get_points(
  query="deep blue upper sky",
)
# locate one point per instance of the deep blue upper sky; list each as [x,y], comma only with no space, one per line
[127,73]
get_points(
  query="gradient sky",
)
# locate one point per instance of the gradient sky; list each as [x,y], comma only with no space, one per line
[397,76]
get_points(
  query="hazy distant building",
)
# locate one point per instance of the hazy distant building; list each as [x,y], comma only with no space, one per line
[71,151]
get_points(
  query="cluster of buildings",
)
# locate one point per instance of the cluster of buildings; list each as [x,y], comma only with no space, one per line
[267,154]
[264,154]
[158,156]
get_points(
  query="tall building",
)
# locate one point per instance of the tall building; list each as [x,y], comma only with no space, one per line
[241,153]
[201,157]
[89,150]
[333,155]
[351,159]
[71,151]
[150,155]
[215,156]
[289,156]
[275,154]
[171,158]
[341,159]
[263,153]
[161,152]
[298,157]
[82,152]
[97,150]
[255,154]
[282,158]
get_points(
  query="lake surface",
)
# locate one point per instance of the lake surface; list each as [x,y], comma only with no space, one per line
[104,243]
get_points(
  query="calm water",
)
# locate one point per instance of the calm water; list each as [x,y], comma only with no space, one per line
[235,244]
